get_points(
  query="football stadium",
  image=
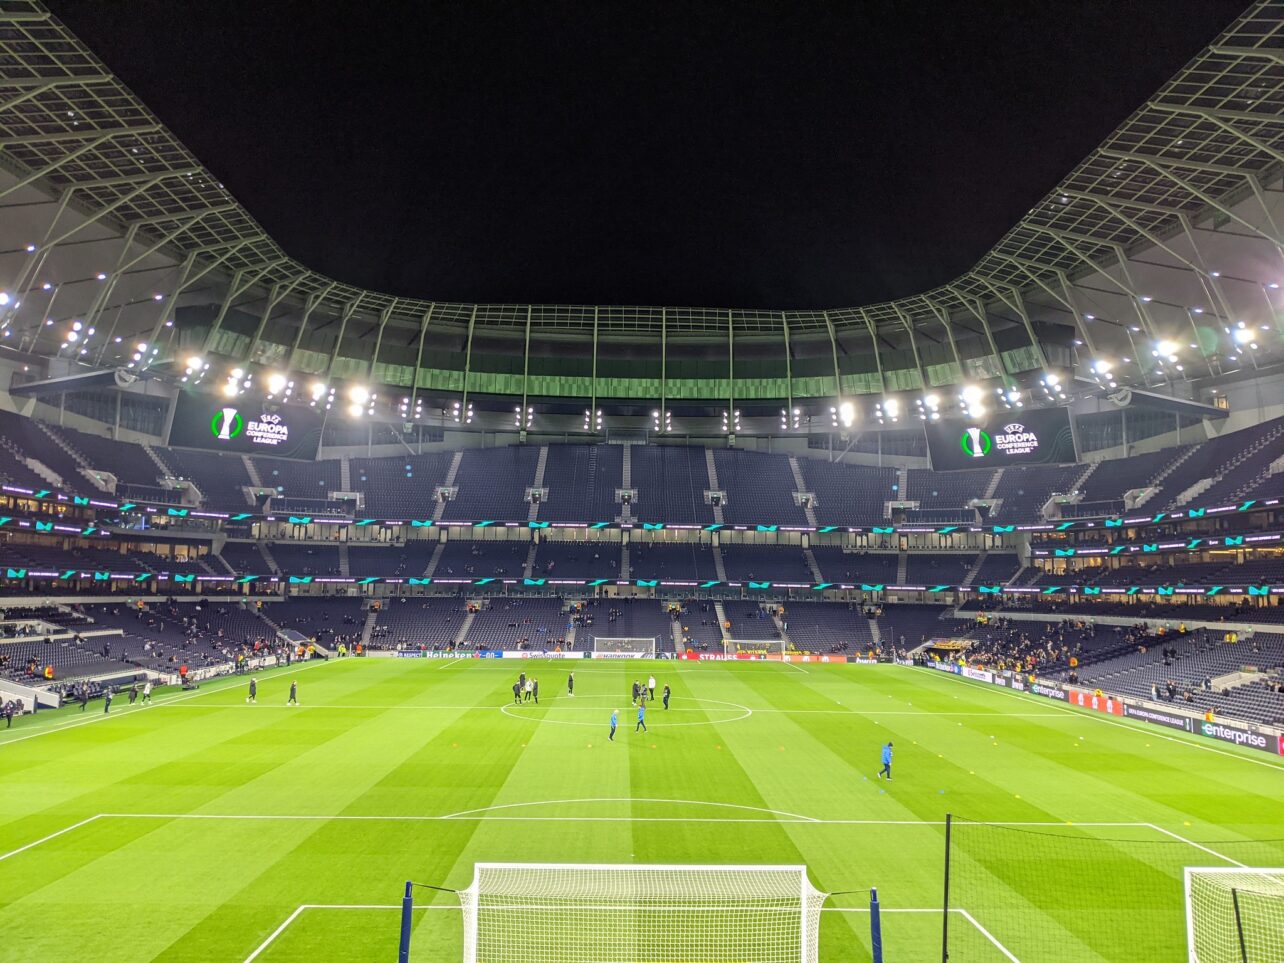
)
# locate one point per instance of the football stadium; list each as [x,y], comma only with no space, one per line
[344,625]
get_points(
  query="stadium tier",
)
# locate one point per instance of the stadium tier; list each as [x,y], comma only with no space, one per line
[940,617]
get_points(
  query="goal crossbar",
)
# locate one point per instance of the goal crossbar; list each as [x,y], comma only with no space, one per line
[624,647]
[645,912]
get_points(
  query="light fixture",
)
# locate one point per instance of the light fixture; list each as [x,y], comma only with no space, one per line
[846,414]
[359,394]
[276,383]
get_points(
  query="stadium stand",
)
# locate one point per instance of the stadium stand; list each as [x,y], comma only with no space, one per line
[582,481]
[670,482]
[403,485]
[493,482]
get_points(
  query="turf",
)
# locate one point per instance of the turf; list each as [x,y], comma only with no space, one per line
[399,769]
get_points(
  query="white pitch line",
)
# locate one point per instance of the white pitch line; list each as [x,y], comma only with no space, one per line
[45,839]
[1191,842]
[415,817]
[1147,732]
[630,799]
[161,702]
[275,933]
[556,703]
[988,935]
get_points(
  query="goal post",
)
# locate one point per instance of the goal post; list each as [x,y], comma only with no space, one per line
[587,912]
[753,647]
[605,647]
[1234,914]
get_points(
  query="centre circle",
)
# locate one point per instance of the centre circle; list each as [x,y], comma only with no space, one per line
[626,711]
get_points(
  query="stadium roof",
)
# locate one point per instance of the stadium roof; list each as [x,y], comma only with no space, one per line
[1168,231]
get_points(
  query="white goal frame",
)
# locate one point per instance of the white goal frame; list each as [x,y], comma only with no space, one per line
[784,896]
[732,647]
[624,647]
[1270,880]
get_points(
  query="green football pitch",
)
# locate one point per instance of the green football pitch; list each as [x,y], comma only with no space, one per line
[203,828]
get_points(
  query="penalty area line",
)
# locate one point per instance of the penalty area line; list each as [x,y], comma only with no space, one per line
[388,907]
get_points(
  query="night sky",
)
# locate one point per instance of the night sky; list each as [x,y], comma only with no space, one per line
[741,154]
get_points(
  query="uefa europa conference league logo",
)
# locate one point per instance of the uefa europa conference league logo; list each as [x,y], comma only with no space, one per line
[268,430]
[1013,440]
[227,424]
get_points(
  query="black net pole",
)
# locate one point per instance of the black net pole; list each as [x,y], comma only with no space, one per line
[945,910]
[1239,926]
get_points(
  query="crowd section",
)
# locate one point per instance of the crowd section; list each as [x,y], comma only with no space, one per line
[671,483]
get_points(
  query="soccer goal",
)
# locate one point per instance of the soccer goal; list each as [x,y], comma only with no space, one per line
[585,913]
[753,647]
[1234,915]
[623,648]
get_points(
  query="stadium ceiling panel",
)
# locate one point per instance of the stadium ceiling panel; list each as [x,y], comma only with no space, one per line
[1185,196]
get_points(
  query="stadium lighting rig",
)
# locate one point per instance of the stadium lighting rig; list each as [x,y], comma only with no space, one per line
[1053,390]
[279,384]
[888,410]
[408,408]
[195,370]
[972,399]
[523,418]
[791,419]
[320,395]
[843,415]
[462,414]
[662,420]
[1010,397]
[361,401]
[928,407]
[1104,372]
[592,419]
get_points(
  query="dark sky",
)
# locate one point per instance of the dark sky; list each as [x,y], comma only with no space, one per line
[743,154]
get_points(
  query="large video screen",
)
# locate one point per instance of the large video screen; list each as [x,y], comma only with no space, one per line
[244,426]
[1016,437]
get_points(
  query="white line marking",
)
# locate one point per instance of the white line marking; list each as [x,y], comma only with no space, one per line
[45,839]
[800,820]
[275,933]
[988,935]
[629,799]
[1150,732]
[161,701]
[1191,842]
[556,702]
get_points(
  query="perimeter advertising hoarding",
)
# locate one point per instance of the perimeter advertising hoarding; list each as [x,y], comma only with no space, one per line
[1090,700]
[245,427]
[1239,736]
[1184,723]
[1014,437]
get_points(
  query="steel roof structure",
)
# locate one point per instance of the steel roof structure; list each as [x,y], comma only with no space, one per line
[1169,226]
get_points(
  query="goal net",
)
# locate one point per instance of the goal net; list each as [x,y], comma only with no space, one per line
[623,648]
[600,913]
[1234,915]
[760,647]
